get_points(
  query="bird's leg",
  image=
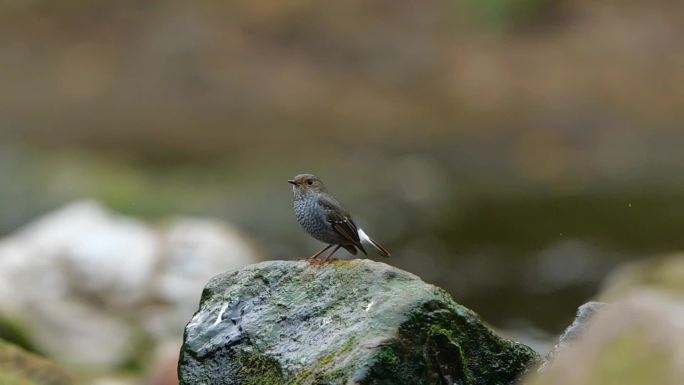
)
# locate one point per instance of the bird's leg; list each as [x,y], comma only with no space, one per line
[319,253]
[327,259]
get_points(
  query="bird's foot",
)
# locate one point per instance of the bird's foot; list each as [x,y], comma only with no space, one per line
[329,259]
[321,262]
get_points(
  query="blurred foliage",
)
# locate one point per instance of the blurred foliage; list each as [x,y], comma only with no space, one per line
[507,13]
[172,80]
[626,361]
[139,358]
[14,333]
[18,367]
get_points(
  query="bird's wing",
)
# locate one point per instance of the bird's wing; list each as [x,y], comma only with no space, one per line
[340,220]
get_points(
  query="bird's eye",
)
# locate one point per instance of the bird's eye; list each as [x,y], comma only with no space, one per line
[309,182]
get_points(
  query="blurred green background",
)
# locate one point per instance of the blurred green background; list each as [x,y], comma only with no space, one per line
[510,151]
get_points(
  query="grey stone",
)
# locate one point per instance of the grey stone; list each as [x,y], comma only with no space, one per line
[637,340]
[574,331]
[350,322]
[83,277]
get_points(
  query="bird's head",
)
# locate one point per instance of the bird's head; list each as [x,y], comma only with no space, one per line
[305,183]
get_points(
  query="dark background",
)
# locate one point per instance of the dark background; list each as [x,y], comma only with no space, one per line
[512,152]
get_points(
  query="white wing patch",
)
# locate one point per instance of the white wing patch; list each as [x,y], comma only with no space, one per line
[364,237]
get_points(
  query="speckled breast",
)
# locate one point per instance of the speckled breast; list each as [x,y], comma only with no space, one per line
[312,218]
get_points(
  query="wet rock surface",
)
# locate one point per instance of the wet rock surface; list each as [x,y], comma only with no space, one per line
[350,322]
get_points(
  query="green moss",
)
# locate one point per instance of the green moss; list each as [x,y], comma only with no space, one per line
[446,356]
[339,374]
[341,263]
[255,369]
[302,377]
[319,374]
[326,360]
[437,330]
[455,344]
[426,357]
[388,357]
[347,346]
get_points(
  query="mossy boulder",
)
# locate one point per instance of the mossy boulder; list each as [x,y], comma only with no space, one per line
[349,322]
[636,340]
[19,367]
[665,274]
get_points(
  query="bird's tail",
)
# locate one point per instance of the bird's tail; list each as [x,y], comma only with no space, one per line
[378,247]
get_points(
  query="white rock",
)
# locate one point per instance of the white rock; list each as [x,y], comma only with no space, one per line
[85,281]
[194,251]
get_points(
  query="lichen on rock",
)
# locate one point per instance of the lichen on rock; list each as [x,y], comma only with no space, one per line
[350,322]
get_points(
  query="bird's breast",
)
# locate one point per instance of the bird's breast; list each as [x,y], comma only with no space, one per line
[312,218]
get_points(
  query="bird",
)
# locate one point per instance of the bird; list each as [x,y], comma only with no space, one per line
[324,218]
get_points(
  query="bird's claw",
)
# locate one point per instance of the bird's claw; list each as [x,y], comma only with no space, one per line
[321,262]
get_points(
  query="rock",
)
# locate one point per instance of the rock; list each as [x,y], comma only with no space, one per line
[637,340]
[18,367]
[192,250]
[665,274]
[574,331]
[350,322]
[64,276]
[83,278]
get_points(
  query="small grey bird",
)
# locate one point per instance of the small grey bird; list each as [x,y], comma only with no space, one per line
[324,218]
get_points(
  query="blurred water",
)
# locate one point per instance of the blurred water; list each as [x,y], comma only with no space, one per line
[518,254]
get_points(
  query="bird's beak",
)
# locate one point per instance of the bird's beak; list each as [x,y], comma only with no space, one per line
[291,182]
